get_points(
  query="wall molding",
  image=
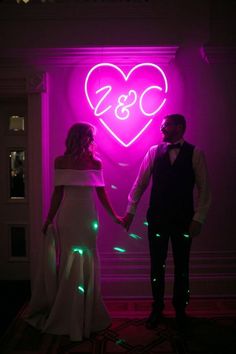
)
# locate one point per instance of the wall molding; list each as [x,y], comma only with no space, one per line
[13,83]
[37,82]
[212,274]
[42,58]
[83,56]
[220,55]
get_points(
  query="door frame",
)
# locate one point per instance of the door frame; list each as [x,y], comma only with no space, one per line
[34,86]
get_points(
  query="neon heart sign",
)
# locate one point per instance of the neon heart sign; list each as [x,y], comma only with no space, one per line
[126,103]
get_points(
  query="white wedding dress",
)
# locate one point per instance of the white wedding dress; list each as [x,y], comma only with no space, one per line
[66,298]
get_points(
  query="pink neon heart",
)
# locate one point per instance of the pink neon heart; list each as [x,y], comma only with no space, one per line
[126,104]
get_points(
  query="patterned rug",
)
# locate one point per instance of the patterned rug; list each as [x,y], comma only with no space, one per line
[204,335]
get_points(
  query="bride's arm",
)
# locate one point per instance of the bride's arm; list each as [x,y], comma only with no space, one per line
[54,205]
[103,197]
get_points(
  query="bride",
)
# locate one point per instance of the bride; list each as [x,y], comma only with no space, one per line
[66,299]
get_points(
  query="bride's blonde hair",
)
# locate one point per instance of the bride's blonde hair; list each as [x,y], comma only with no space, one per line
[79,139]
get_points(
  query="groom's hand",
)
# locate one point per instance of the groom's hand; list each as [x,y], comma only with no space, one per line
[127,220]
[195,228]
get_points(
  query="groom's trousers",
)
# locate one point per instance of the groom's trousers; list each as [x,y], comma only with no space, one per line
[159,236]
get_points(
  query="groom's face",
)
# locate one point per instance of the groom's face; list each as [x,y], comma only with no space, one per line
[170,130]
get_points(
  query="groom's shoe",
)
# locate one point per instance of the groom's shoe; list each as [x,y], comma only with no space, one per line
[154,319]
[181,319]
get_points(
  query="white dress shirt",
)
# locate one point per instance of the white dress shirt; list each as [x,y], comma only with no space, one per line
[201,181]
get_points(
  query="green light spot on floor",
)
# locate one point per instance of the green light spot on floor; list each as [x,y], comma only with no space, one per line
[158,235]
[121,250]
[120,341]
[186,235]
[145,223]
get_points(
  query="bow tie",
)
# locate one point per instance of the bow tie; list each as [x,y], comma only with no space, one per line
[174,146]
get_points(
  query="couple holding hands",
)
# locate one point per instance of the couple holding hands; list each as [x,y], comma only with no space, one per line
[75,306]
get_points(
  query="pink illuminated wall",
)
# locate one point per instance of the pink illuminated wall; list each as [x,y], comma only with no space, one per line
[89,90]
[126,101]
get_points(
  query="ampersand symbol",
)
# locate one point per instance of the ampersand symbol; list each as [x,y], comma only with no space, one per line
[122,109]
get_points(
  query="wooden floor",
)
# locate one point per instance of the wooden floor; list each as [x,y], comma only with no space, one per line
[198,307]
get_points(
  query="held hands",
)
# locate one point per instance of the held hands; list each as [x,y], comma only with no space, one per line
[124,221]
[127,221]
[118,219]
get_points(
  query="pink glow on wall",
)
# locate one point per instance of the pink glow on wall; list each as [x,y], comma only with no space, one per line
[126,103]
[149,98]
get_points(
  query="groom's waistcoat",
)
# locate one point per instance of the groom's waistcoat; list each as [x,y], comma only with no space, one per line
[172,186]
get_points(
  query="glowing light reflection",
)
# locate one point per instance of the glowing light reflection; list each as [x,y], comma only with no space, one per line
[135,236]
[81,289]
[95,225]
[120,341]
[121,250]
[122,164]
[77,250]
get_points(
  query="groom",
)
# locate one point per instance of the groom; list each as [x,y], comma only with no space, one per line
[176,167]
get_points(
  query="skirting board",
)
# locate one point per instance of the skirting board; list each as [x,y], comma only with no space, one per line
[212,274]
